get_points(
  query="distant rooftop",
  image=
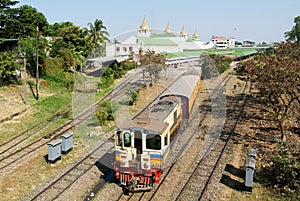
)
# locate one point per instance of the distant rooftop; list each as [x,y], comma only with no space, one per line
[156,41]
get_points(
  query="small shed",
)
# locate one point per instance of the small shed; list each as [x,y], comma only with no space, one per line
[67,142]
[54,150]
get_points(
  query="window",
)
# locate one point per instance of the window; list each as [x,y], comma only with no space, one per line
[166,140]
[118,138]
[175,117]
[127,139]
[130,49]
[124,49]
[153,142]
[118,49]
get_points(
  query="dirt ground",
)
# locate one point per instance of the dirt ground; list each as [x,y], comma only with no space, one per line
[11,101]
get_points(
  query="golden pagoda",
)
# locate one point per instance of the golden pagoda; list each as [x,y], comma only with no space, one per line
[196,35]
[183,33]
[144,26]
[168,29]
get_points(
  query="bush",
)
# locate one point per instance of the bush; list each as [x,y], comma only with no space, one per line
[134,97]
[104,113]
[284,171]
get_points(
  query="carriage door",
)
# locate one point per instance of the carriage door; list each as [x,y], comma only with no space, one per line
[138,142]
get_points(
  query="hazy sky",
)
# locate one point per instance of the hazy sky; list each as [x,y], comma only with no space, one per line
[254,20]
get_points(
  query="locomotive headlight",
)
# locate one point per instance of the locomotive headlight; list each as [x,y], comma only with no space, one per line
[146,166]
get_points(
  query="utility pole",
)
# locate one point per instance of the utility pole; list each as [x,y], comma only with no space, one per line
[37,62]
[25,77]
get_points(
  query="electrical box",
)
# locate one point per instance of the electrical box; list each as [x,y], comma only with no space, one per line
[54,150]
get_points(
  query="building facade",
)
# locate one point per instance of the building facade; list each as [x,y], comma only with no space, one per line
[164,42]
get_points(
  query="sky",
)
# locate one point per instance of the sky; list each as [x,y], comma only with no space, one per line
[253,20]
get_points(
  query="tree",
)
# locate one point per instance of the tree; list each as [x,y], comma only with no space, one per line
[55,29]
[8,67]
[98,34]
[22,22]
[28,46]
[75,38]
[277,76]
[4,13]
[294,34]
[152,63]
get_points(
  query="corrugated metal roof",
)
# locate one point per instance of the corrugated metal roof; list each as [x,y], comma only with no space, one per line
[184,86]
[153,117]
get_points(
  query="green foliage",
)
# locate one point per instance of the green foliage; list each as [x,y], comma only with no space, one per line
[284,171]
[8,67]
[56,74]
[107,78]
[28,47]
[54,70]
[26,17]
[222,63]
[294,34]
[97,33]
[55,29]
[104,113]
[128,65]
[134,97]
[110,74]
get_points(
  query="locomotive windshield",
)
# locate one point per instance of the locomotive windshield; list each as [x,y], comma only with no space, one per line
[118,138]
[153,142]
[127,139]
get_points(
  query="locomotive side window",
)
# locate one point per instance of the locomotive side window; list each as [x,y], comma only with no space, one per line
[127,139]
[153,142]
[166,140]
[118,138]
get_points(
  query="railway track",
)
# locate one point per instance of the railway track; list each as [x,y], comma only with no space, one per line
[9,161]
[182,145]
[34,130]
[63,182]
[54,189]
[199,180]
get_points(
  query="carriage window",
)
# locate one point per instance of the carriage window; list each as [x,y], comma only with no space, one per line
[166,140]
[127,139]
[153,142]
[118,138]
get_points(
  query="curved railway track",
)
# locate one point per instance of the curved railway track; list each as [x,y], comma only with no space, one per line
[8,160]
[54,189]
[35,129]
[177,152]
[181,146]
[63,182]
[199,179]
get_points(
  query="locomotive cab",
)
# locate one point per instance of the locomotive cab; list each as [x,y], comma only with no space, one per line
[138,158]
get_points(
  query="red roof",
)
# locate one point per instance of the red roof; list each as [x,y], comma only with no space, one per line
[219,38]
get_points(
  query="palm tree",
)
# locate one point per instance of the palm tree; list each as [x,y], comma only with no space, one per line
[98,34]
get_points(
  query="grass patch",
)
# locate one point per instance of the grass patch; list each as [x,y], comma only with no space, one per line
[40,111]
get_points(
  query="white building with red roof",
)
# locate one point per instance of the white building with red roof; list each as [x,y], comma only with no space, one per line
[221,42]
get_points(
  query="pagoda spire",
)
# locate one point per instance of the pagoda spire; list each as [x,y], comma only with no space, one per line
[144,26]
[196,35]
[168,29]
[144,30]
[183,33]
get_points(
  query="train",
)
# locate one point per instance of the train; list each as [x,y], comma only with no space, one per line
[142,145]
